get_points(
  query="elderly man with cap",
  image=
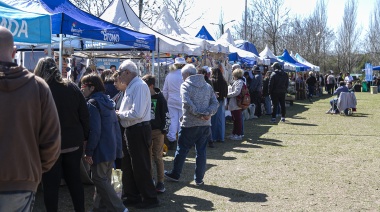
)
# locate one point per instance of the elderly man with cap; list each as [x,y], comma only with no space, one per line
[171,92]
[278,85]
[30,140]
[330,82]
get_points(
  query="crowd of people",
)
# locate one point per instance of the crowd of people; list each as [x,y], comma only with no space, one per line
[115,118]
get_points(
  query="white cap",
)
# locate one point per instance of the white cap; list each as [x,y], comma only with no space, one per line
[208,69]
[102,67]
[180,60]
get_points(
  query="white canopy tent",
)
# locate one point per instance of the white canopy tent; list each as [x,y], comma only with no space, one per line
[303,61]
[227,40]
[120,13]
[166,24]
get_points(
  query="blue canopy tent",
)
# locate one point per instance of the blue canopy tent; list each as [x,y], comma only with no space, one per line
[70,20]
[376,68]
[287,58]
[26,27]
[204,34]
[246,46]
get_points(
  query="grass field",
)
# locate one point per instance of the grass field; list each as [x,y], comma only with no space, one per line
[312,162]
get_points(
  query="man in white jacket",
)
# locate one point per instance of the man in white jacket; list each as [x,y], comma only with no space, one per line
[171,92]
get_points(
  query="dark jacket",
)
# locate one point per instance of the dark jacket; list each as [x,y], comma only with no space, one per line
[104,142]
[221,87]
[110,89]
[266,86]
[160,118]
[278,82]
[311,81]
[30,138]
[73,113]
[256,84]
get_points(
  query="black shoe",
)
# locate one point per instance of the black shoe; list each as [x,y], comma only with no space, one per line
[211,144]
[160,187]
[172,145]
[170,176]
[148,204]
[130,202]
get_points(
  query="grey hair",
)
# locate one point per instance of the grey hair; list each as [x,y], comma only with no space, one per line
[189,69]
[130,66]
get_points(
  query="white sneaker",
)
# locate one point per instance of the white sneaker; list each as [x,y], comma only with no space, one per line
[282,119]
[231,136]
[255,117]
[236,138]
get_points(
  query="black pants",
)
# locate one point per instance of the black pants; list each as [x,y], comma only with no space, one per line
[330,88]
[276,99]
[139,180]
[257,101]
[68,166]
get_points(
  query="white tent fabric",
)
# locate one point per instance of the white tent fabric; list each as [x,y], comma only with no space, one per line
[166,24]
[303,61]
[267,53]
[120,13]
[227,40]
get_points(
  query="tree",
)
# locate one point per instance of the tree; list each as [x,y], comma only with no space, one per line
[346,45]
[372,38]
[273,17]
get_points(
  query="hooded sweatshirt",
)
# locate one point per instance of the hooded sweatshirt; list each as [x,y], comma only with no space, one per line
[198,99]
[104,142]
[30,136]
[160,118]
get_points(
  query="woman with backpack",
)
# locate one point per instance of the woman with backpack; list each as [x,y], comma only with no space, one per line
[233,92]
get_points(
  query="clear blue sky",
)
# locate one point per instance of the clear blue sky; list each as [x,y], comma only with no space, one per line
[234,9]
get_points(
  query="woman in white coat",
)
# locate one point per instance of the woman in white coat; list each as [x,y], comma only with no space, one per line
[171,92]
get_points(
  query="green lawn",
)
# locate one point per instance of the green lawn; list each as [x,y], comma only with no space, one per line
[313,162]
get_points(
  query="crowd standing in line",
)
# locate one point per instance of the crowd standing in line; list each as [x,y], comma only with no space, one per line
[68,125]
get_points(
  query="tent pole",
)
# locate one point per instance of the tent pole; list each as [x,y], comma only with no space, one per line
[158,62]
[60,52]
[49,50]
[152,63]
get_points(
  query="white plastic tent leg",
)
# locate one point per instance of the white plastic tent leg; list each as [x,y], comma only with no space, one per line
[152,63]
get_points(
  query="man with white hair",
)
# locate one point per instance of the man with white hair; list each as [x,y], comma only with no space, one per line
[199,103]
[134,115]
[30,140]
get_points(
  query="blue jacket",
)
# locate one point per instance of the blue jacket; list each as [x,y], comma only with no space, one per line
[104,142]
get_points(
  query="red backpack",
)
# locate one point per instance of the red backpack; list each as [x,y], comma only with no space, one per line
[243,100]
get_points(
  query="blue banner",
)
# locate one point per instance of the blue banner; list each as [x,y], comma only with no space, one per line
[25,27]
[368,72]
[107,62]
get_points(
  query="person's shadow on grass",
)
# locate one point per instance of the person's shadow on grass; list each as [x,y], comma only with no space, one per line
[234,194]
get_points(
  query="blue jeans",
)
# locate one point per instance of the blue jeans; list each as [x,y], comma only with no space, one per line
[17,201]
[218,123]
[268,105]
[187,137]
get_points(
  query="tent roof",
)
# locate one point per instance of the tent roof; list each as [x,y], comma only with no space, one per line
[287,58]
[204,34]
[268,54]
[303,61]
[120,13]
[70,20]
[27,27]
[247,46]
